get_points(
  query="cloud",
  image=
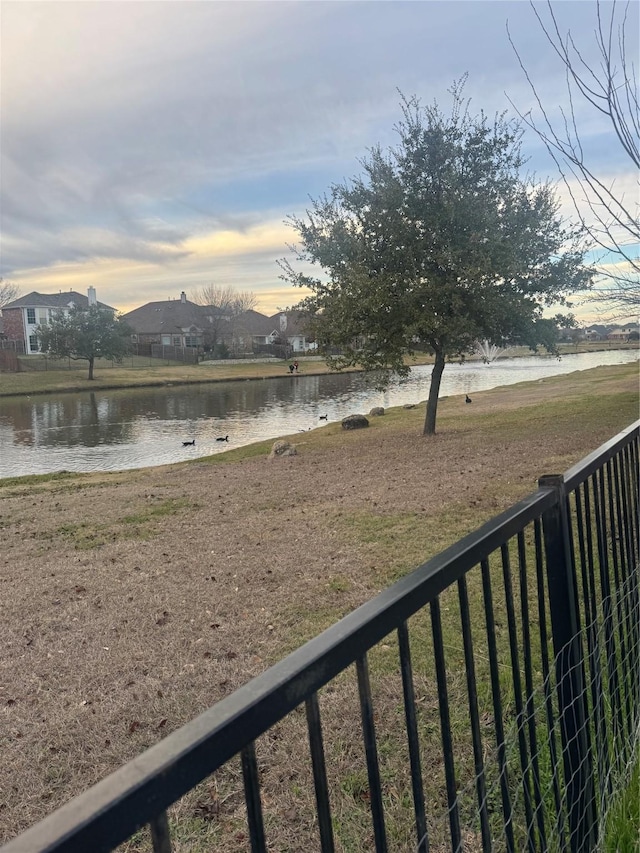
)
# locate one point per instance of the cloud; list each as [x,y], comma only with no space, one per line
[154,147]
[132,275]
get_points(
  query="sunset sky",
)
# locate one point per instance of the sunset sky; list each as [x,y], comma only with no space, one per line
[153,147]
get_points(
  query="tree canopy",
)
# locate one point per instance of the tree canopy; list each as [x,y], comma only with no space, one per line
[439,243]
[85,334]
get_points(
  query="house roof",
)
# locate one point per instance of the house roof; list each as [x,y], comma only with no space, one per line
[254,323]
[296,322]
[169,316]
[53,300]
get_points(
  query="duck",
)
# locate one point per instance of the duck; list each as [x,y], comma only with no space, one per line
[223,438]
[323,417]
[468,399]
[189,443]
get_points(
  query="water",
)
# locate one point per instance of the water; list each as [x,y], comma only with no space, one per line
[136,428]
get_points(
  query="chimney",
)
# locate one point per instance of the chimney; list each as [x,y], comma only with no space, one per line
[183,297]
[91,296]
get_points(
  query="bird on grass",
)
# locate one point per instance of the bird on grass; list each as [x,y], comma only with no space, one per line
[223,438]
[468,399]
[189,443]
[323,417]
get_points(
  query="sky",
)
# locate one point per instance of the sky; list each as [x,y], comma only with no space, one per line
[149,148]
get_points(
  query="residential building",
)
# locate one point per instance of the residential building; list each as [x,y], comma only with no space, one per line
[597,332]
[290,326]
[622,333]
[178,323]
[182,323]
[21,317]
[251,330]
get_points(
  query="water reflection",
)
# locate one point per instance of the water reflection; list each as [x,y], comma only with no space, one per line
[110,430]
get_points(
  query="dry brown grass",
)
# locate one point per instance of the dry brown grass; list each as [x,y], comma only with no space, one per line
[131,602]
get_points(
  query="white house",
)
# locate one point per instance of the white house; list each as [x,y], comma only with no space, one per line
[22,316]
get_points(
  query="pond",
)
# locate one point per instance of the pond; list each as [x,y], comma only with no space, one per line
[136,428]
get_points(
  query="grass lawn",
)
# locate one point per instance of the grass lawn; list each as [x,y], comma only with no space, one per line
[132,601]
[137,371]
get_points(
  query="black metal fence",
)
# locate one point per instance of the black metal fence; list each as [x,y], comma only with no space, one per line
[495,703]
[187,355]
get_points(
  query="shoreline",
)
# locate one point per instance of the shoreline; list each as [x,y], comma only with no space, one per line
[168,381]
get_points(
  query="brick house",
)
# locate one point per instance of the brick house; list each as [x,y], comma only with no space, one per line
[21,317]
[177,323]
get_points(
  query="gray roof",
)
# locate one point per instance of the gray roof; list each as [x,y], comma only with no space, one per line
[296,322]
[53,300]
[254,322]
[170,315]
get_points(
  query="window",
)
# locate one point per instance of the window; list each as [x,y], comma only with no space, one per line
[43,315]
[177,341]
[190,341]
[33,343]
[31,316]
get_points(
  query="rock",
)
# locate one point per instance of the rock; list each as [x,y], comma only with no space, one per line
[282,448]
[377,410]
[354,422]
[409,406]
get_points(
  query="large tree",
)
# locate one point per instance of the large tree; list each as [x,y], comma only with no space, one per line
[85,334]
[608,86]
[439,243]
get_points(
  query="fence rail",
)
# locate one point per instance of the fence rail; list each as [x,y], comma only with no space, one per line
[509,720]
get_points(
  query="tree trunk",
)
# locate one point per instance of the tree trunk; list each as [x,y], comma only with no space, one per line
[434,390]
[91,360]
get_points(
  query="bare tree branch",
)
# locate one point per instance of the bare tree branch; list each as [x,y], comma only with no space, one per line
[8,292]
[611,88]
[229,305]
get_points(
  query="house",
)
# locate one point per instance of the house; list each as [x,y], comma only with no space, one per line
[251,330]
[622,333]
[290,326]
[22,316]
[597,332]
[182,323]
[178,323]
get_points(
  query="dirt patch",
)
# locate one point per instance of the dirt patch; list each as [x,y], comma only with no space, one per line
[132,602]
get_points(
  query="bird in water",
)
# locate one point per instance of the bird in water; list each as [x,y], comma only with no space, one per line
[468,399]
[323,417]
[223,438]
[189,443]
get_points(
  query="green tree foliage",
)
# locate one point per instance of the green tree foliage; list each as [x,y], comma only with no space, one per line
[438,244]
[85,334]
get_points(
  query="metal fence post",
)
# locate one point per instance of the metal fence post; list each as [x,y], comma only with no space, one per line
[569,666]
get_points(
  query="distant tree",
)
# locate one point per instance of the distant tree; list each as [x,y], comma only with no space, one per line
[438,245]
[8,292]
[85,334]
[229,304]
[610,87]
[227,299]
